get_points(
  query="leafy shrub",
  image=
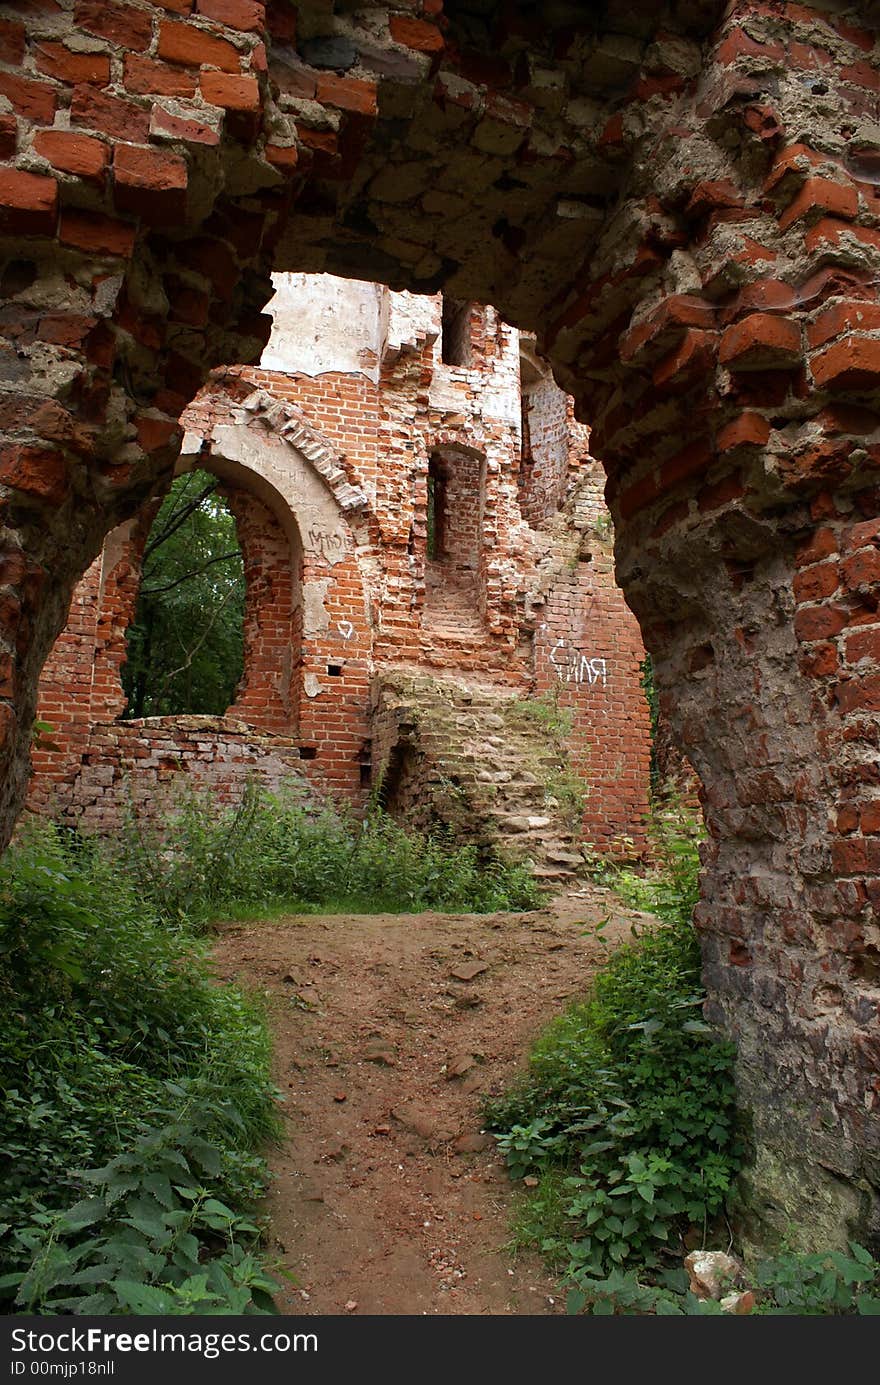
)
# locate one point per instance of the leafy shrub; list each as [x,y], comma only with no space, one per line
[268,852]
[829,1284]
[147,1088]
[628,1104]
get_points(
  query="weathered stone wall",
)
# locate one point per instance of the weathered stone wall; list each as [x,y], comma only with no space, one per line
[140,768]
[680,199]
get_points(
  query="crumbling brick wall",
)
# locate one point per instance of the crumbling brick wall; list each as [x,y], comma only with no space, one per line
[680,199]
[317,601]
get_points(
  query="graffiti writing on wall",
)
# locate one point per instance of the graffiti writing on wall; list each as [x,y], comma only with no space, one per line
[330,546]
[573,666]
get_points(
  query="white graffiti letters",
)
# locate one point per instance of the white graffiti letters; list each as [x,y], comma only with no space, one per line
[572,666]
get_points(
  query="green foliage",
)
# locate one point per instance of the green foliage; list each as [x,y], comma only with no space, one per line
[826,1283]
[652,697]
[185,645]
[671,888]
[268,852]
[628,1103]
[829,1284]
[146,1100]
[543,712]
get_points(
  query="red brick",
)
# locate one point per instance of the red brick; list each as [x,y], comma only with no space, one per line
[232,93]
[692,460]
[853,316]
[819,622]
[859,695]
[765,295]
[113,115]
[821,662]
[11,42]
[830,231]
[121,24]
[150,184]
[146,77]
[416,33]
[191,47]
[841,417]
[862,568]
[638,495]
[748,430]
[864,644]
[796,159]
[76,154]
[821,544]
[35,471]
[863,535]
[102,235]
[154,432]
[847,819]
[814,583]
[247,15]
[282,156]
[738,44]
[323,141]
[67,66]
[65,329]
[761,341]
[870,819]
[36,101]
[852,364]
[821,195]
[187,131]
[348,93]
[693,356]
[8,135]
[28,203]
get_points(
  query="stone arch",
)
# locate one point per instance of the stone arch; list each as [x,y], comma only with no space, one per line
[654,191]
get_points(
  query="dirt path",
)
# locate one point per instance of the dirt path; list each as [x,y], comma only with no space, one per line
[388,1029]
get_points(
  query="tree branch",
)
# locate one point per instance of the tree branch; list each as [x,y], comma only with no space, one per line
[196,572]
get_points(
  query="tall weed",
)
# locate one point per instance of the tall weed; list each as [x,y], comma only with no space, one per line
[626,1115]
[115,1041]
[269,852]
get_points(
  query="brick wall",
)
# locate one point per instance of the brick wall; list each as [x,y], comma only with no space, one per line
[329,604]
[681,201]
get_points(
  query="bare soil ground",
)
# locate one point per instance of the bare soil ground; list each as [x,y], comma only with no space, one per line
[387,1197]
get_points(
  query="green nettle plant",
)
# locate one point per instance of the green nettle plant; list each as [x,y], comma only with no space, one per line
[269,853]
[626,1116]
[130,1158]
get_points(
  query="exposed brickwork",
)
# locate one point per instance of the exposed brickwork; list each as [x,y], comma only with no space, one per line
[639,187]
[331,607]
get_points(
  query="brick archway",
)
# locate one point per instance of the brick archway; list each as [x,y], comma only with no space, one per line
[681,201]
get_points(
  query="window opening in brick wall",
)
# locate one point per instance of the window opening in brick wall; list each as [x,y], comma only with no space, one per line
[185,646]
[435,519]
[455,341]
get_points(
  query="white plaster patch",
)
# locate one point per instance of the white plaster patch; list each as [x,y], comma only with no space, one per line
[315,618]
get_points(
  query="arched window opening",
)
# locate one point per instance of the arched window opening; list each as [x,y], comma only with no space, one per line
[544,436]
[185,646]
[455,341]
